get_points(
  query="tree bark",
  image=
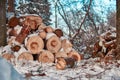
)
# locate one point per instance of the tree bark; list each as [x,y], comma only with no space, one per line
[11,6]
[118,26]
[2,23]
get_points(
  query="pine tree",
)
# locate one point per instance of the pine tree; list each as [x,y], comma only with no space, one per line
[39,7]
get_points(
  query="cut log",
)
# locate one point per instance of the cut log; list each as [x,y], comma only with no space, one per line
[12,32]
[60,54]
[8,56]
[66,45]
[22,35]
[37,19]
[43,34]
[58,32]
[46,57]
[15,48]
[31,23]
[97,47]
[48,29]
[62,63]
[107,44]
[14,21]
[53,44]
[25,56]
[41,26]
[75,55]
[35,44]
[107,36]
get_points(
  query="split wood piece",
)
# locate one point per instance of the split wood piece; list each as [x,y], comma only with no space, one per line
[43,34]
[62,63]
[97,47]
[60,54]
[75,55]
[107,36]
[22,35]
[25,56]
[31,23]
[15,48]
[46,57]
[12,32]
[107,44]
[110,38]
[53,44]
[35,44]
[41,26]
[48,29]
[58,32]
[14,21]
[66,45]
[37,19]
[100,54]
[110,56]
[8,56]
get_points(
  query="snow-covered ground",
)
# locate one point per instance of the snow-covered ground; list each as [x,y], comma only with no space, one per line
[91,69]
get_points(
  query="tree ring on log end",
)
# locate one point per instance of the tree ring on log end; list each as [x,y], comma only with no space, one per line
[53,44]
[35,44]
[46,57]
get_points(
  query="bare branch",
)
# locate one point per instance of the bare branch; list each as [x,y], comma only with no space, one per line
[82,21]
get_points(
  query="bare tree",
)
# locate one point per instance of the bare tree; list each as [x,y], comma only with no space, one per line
[2,22]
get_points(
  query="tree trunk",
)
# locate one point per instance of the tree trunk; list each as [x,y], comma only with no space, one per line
[2,23]
[118,27]
[11,6]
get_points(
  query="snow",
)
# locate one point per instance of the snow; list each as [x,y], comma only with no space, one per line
[7,72]
[84,70]
[7,49]
[23,15]
[49,35]
[22,49]
[91,69]
[18,29]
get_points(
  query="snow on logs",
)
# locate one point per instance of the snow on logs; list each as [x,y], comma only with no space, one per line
[25,56]
[40,42]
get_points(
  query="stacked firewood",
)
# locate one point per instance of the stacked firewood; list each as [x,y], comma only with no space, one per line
[30,39]
[105,47]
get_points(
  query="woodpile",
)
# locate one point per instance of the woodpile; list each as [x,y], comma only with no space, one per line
[40,42]
[105,47]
